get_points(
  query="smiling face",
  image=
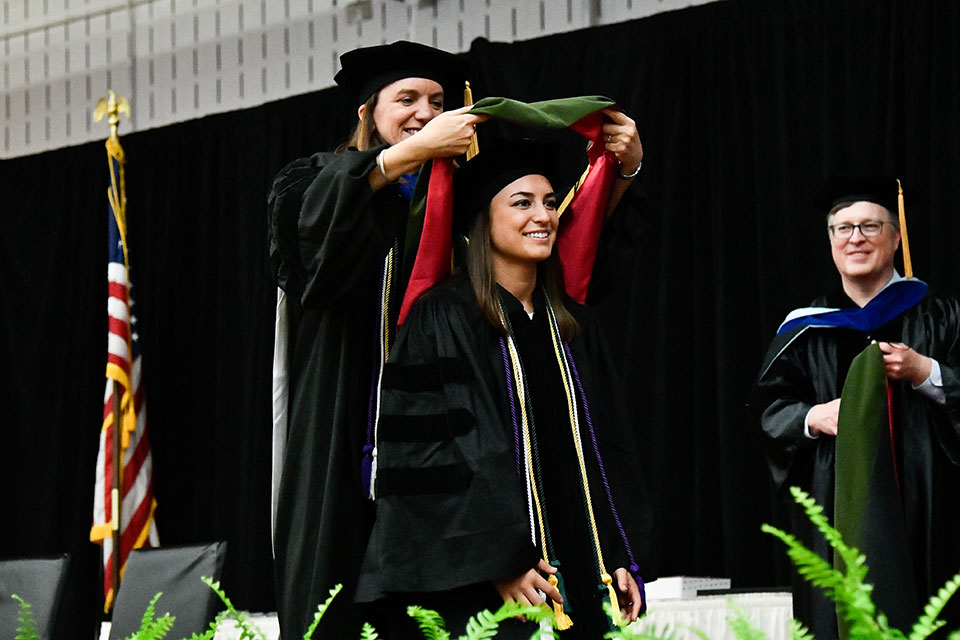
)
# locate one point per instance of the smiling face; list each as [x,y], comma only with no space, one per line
[523,222]
[404,106]
[859,258]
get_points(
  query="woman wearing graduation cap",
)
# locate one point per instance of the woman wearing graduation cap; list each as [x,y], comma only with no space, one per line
[503,472]
[338,242]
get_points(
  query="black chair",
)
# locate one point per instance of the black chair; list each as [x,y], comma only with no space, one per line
[40,582]
[176,571]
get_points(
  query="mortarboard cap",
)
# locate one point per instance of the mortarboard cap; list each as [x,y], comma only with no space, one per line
[365,71]
[498,164]
[845,190]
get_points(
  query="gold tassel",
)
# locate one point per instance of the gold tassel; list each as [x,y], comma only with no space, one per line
[573,191]
[561,619]
[907,264]
[474,148]
[614,601]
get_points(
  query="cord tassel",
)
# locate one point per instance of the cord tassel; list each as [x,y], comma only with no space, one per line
[561,619]
[614,601]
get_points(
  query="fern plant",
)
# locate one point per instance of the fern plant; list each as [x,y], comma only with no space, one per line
[431,623]
[211,632]
[151,627]
[248,630]
[848,588]
[485,624]
[648,632]
[321,609]
[27,626]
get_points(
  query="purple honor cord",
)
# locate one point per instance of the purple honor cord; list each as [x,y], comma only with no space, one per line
[634,569]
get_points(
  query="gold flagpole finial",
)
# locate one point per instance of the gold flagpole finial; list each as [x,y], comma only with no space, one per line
[907,263]
[468,101]
[111,106]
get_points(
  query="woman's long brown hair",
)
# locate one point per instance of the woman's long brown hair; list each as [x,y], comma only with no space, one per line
[479,265]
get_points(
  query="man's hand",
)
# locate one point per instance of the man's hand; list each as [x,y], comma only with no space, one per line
[524,587]
[628,594]
[903,363]
[822,419]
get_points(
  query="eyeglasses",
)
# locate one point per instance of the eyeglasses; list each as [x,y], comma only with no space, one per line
[868,229]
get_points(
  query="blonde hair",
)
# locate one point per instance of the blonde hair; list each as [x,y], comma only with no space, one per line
[365,135]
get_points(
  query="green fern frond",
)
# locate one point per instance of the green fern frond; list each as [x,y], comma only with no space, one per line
[812,567]
[649,632]
[321,609]
[248,630]
[955,635]
[741,625]
[160,628]
[798,631]
[847,588]
[211,631]
[928,622]
[430,622]
[151,627]
[484,624]
[26,625]
[150,612]
[368,632]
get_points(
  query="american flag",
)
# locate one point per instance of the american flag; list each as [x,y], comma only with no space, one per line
[135,510]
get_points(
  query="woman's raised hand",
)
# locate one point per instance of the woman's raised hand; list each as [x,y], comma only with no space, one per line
[448,134]
[623,140]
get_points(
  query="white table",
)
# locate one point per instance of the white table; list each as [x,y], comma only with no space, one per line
[768,611]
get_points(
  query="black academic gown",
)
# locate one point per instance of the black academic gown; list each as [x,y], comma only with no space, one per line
[812,371]
[451,508]
[329,236]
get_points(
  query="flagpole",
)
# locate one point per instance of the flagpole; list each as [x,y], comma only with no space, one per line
[112,106]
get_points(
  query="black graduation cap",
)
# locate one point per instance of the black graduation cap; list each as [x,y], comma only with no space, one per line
[845,190]
[365,71]
[499,163]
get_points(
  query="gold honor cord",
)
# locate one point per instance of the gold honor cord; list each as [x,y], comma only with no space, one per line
[907,263]
[605,577]
[561,618]
[474,147]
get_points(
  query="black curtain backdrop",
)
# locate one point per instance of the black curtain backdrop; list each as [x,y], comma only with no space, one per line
[744,108]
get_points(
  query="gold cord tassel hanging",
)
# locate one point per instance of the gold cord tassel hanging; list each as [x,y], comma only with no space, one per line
[474,148]
[907,264]
[562,620]
[614,602]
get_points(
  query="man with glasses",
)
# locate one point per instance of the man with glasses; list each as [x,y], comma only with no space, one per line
[797,397]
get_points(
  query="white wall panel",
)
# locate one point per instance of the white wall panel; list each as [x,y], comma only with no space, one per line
[176,60]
